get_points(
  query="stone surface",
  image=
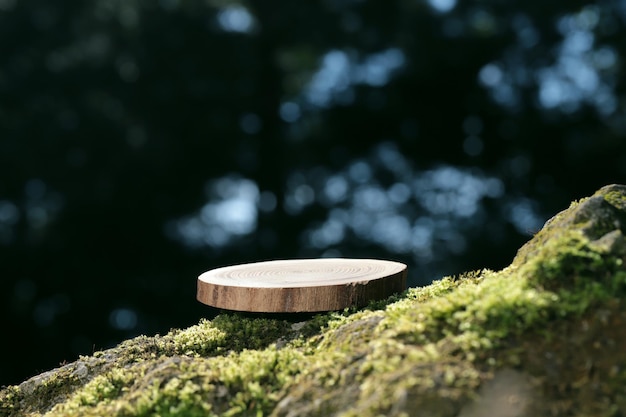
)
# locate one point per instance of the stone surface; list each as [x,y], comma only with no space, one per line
[545,336]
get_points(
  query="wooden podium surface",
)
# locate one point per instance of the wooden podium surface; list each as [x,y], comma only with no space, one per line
[301,285]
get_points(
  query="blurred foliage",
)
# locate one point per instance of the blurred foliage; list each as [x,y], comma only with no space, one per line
[130,128]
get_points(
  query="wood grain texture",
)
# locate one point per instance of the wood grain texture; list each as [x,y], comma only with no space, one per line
[301,285]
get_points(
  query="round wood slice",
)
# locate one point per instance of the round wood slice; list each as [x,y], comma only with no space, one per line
[301,285]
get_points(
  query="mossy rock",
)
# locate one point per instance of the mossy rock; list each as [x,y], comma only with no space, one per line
[544,336]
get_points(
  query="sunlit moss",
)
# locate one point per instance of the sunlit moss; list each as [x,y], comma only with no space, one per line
[616,198]
[236,384]
[201,339]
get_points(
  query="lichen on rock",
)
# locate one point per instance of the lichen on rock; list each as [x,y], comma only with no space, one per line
[544,336]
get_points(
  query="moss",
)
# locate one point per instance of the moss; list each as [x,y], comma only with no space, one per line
[201,339]
[615,197]
[10,399]
[247,382]
[551,324]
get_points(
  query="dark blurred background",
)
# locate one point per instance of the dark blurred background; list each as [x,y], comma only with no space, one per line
[143,142]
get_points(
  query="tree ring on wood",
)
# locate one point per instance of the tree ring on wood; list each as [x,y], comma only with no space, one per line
[301,285]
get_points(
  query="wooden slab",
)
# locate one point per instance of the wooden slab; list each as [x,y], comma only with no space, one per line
[301,285]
